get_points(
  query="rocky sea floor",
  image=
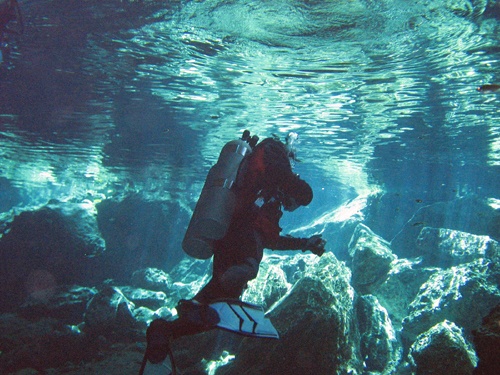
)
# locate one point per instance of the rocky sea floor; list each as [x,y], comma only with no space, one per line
[76,300]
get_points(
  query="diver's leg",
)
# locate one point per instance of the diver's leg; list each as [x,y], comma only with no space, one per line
[161,333]
[158,336]
[235,279]
[228,283]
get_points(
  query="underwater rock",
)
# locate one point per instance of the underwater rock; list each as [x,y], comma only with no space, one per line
[151,279]
[312,336]
[493,256]
[463,294]
[379,348]
[401,287]
[470,214]
[189,275]
[41,249]
[109,312]
[143,315]
[67,303]
[315,324]
[341,234]
[487,343]
[336,277]
[270,285]
[277,274]
[143,297]
[140,233]
[183,281]
[371,259]
[447,247]
[41,344]
[283,269]
[443,350]
[190,270]
[294,266]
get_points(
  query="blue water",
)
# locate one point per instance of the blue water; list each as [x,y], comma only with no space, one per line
[102,98]
[98,97]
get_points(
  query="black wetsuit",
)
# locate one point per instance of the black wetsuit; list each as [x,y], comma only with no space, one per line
[266,177]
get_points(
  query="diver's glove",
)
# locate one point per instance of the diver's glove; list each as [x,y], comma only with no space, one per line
[316,245]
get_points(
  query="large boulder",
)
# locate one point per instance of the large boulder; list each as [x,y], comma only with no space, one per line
[151,279]
[109,313]
[446,247]
[469,214]
[40,344]
[270,285]
[67,303]
[312,336]
[379,348]
[182,282]
[141,233]
[277,274]
[58,244]
[189,275]
[442,350]
[143,297]
[401,287]
[463,294]
[371,259]
[315,322]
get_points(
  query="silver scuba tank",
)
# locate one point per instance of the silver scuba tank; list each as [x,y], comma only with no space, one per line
[215,207]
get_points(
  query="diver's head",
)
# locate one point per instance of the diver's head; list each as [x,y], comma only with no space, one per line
[300,194]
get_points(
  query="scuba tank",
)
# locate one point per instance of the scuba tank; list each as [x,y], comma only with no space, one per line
[214,209]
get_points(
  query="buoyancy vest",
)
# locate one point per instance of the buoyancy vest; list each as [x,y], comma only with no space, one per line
[264,171]
[259,187]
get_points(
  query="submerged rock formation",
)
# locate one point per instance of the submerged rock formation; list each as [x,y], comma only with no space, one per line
[65,303]
[371,259]
[446,247]
[315,321]
[377,312]
[109,312]
[463,294]
[140,233]
[41,249]
[400,288]
[443,350]
[380,349]
[469,214]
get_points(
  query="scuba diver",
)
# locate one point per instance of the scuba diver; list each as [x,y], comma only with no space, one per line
[252,183]
[11,22]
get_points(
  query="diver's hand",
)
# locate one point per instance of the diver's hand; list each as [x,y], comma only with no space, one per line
[316,245]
